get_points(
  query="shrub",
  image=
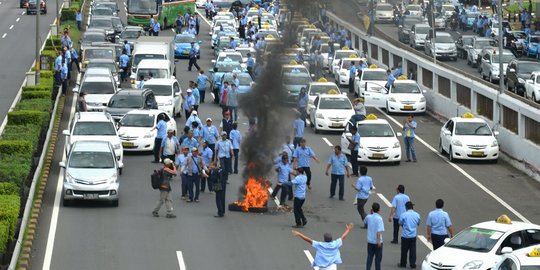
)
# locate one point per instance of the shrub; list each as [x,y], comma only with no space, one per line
[15,169]
[46,82]
[26,117]
[7,188]
[53,41]
[29,132]
[37,104]
[46,74]
[68,15]
[19,147]
[40,87]
[9,212]
[36,94]
[4,236]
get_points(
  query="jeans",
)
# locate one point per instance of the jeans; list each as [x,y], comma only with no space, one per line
[164,198]
[220,196]
[202,93]
[296,141]
[236,153]
[298,212]
[408,245]
[234,112]
[194,181]
[334,179]
[410,149]
[285,191]
[225,164]
[374,251]
[307,170]
[354,161]
[438,240]
[360,203]
[396,229]
[157,146]
[184,184]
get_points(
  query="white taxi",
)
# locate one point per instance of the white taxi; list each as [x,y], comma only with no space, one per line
[168,95]
[330,112]
[404,96]
[468,137]
[523,259]
[322,86]
[342,73]
[378,141]
[230,55]
[373,74]
[333,61]
[481,246]
[135,129]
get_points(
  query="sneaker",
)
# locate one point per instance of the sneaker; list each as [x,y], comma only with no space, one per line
[394,242]
[196,200]
[189,201]
[183,198]
[170,216]
[155,214]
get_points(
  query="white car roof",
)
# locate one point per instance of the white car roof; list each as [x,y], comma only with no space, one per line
[97,71]
[160,82]
[107,78]
[152,63]
[373,69]
[378,121]
[502,227]
[91,146]
[324,83]
[92,117]
[405,82]
[469,120]
[146,112]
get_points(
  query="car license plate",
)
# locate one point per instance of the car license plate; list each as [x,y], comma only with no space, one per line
[128,144]
[336,125]
[90,196]
[185,53]
[477,153]
[407,107]
[377,155]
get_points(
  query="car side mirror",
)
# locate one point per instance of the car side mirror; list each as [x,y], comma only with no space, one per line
[399,134]
[120,164]
[446,240]
[66,132]
[177,93]
[512,70]
[496,133]
[506,250]
[447,132]
[62,164]
[529,81]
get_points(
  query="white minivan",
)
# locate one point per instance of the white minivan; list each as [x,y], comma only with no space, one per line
[168,95]
[152,69]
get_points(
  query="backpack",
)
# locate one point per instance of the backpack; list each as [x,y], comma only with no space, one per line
[156,178]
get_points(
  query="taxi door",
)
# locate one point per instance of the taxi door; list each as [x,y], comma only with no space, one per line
[375,95]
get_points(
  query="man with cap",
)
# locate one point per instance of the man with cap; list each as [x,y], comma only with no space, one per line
[226,123]
[161,128]
[301,156]
[352,76]
[410,220]
[195,168]
[224,152]
[190,141]
[398,208]
[193,57]
[168,171]
[169,146]
[194,117]
[180,161]
[327,255]
[206,154]
[298,126]
[439,225]
[210,134]
[189,103]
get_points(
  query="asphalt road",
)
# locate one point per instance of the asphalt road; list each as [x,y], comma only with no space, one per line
[17,47]
[90,236]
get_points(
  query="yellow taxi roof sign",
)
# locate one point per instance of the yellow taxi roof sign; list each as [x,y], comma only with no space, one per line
[371,117]
[373,66]
[504,219]
[322,79]
[353,55]
[293,63]
[534,253]
[295,46]
[333,92]
[345,48]
[468,115]
[402,77]
[270,36]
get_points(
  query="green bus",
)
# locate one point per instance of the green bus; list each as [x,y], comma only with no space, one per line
[140,11]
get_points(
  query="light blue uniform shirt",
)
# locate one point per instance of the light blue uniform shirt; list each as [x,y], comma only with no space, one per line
[303,101]
[141,84]
[397,72]
[196,95]
[157,27]
[338,164]
[202,81]
[193,118]
[236,138]
[180,160]
[352,72]
[300,182]
[165,141]
[124,60]
[190,102]
[410,221]
[190,143]
[78,16]
[409,129]
[210,134]
[399,202]
[356,138]
[128,48]
[233,44]
[250,62]
[195,165]
[206,154]
[327,253]
[375,224]
[58,62]
[364,184]
[298,128]
[161,129]
[224,148]
[303,155]
[439,221]
[289,147]
[283,170]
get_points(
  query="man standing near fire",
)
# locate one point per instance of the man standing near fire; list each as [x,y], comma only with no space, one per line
[301,157]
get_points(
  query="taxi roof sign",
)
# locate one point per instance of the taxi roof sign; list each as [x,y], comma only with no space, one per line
[373,66]
[468,115]
[371,117]
[270,36]
[345,48]
[322,79]
[534,253]
[402,77]
[353,55]
[333,92]
[503,219]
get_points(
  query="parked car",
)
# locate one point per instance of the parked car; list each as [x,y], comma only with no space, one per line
[532,87]
[135,129]
[31,7]
[442,46]
[418,35]
[489,65]
[405,25]
[517,71]
[126,100]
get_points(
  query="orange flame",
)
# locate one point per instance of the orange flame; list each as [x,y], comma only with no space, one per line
[256,194]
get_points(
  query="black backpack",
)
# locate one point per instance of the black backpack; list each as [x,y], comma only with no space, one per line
[156,178]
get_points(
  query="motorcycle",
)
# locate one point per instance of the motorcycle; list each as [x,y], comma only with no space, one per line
[454,23]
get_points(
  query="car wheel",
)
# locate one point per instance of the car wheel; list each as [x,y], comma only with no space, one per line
[115,203]
[491,80]
[520,91]
[441,149]
[120,171]
[66,203]
[387,108]
[451,155]
[315,128]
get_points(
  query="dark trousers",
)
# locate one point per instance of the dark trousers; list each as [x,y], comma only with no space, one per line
[298,212]
[373,251]
[354,161]
[224,108]
[225,164]
[396,229]
[188,113]
[334,179]
[157,146]
[250,71]
[79,25]
[124,74]
[76,62]
[184,184]
[236,153]
[171,157]
[296,141]
[202,93]
[64,86]
[220,198]
[307,170]
[203,184]
[303,113]
[193,62]
[259,21]
[360,203]
[438,240]
[213,147]
[408,245]
[194,181]
[156,33]
[351,85]
[197,28]
[285,191]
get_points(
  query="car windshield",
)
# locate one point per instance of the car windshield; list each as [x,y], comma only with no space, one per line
[316,89]
[480,44]
[93,38]
[142,6]
[378,75]
[505,58]
[443,39]
[91,160]
[137,120]
[519,35]
[110,66]
[125,101]
[224,43]
[422,30]
[535,39]
[296,79]
[184,39]
[231,57]
[384,8]
[141,56]
[473,129]
[529,67]
[156,73]
[97,88]
[475,239]
[340,55]
[375,130]
[228,66]
[405,88]
[160,90]
[105,11]
[98,54]
[100,23]
[408,22]
[130,34]
[94,129]
[335,103]
[244,78]
[347,64]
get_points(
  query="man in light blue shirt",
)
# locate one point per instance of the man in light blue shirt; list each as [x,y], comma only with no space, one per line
[439,225]
[352,76]
[301,157]
[398,208]
[410,220]
[193,118]
[375,227]
[303,100]
[363,186]
[233,44]
[156,28]
[180,161]
[390,80]
[236,139]
[206,154]
[210,134]
[189,103]
[327,254]
[127,47]
[409,130]
[190,141]
[298,126]
[124,61]
[338,162]
[355,139]
[283,169]
[202,84]
[161,128]
[250,64]
[224,151]
[299,183]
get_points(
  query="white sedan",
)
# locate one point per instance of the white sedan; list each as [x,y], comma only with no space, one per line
[330,112]
[523,259]
[333,61]
[470,138]
[135,129]
[342,73]
[168,95]
[532,87]
[378,141]
[369,75]
[404,96]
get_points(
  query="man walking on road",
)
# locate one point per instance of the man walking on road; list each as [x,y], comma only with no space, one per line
[217,178]
[180,161]
[169,146]
[169,170]
[339,164]
[363,186]
[210,134]
[327,255]
[224,152]
[398,208]
[299,183]
[283,171]
[352,76]
[375,228]
[354,145]
[161,127]
[298,127]
[409,130]
[410,220]
[236,139]
[193,57]
[202,83]
[301,157]
[195,170]
[439,225]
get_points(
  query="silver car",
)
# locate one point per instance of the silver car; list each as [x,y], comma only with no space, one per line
[91,173]
[384,13]
[418,35]
[442,46]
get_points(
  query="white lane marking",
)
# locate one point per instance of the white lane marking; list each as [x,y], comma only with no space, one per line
[23,12]
[4,35]
[463,172]
[425,241]
[125,4]
[386,201]
[173,31]
[125,8]
[18,19]
[181,260]
[327,141]
[204,18]
[270,190]
[56,205]
[11,27]
[310,258]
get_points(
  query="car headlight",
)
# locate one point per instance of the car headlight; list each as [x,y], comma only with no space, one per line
[392,99]
[494,143]
[520,80]
[148,135]
[113,179]
[132,81]
[476,264]
[426,259]
[396,145]
[456,143]
[117,146]
[320,116]
[69,179]
[422,99]
[168,103]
